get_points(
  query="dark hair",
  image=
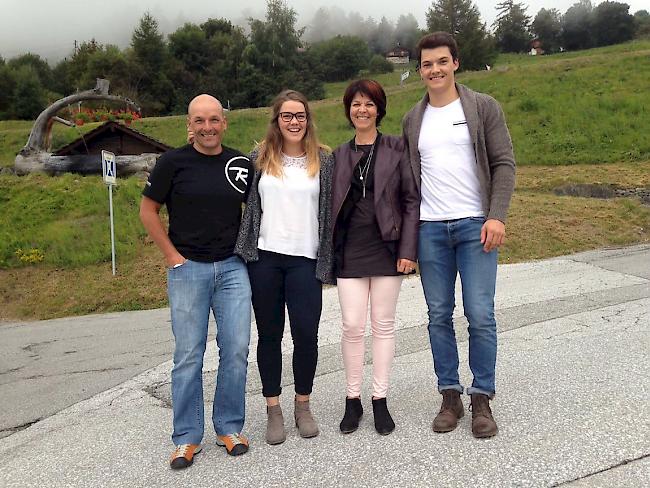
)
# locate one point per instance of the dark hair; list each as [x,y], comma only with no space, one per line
[437,39]
[369,88]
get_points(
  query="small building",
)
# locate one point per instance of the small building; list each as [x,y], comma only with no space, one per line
[399,55]
[116,138]
[536,47]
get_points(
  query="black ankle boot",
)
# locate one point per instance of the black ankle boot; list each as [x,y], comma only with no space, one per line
[353,413]
[383,421]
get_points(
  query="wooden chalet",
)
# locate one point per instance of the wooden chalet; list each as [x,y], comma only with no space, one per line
[116,138]
[536,48]
[399,55]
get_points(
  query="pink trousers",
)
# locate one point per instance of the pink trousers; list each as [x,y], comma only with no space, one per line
[354,295]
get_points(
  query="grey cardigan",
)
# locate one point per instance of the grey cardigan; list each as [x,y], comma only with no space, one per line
[249,230]
[492,145]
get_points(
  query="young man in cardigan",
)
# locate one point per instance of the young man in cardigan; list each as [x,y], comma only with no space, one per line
[460,148]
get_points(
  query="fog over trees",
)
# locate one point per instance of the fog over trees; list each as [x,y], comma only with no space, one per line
[247,65]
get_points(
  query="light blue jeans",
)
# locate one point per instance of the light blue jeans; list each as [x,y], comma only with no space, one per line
[194,289]
[444,250]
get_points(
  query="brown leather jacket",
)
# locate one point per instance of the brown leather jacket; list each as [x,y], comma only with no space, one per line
[397,198]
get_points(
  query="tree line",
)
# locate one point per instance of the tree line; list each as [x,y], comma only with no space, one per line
[582,26]
[245,69]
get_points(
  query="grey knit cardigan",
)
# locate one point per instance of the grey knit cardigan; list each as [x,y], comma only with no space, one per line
[249,231]
[495,160]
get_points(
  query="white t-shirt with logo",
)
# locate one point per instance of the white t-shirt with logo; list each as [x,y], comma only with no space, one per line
[450,185]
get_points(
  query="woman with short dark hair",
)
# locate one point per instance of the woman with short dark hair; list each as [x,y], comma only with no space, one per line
[375,210]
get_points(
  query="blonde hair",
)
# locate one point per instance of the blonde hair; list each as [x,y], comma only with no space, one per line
[269,159]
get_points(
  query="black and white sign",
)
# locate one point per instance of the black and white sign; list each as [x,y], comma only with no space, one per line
[109,169]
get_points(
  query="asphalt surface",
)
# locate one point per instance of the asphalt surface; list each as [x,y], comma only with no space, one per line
[48,365]
[85,401]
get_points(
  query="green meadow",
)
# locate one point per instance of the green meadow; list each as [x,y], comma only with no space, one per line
[568,108]
[580,117]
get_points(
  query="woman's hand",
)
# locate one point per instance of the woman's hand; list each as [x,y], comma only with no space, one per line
[405,266]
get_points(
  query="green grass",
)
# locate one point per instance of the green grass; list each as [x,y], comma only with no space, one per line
[525,59]
[568,108]
[575,111]
[565,109]
[540,225]
[336,89]
[66,219]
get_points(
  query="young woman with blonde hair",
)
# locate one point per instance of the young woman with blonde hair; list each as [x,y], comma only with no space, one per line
[285,237]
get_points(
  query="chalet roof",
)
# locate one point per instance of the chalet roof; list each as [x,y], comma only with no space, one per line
[398,51]
[107,128]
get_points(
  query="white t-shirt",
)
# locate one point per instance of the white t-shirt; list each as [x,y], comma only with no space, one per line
[290,210]
[450,185]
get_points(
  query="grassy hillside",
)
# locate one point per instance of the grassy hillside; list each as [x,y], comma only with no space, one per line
[567,113]
[66,219]
[566,108]
[540,225]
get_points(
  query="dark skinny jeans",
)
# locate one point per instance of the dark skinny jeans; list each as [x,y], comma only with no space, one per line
[276,280]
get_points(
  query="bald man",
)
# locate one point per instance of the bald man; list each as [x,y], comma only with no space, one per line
[203,185]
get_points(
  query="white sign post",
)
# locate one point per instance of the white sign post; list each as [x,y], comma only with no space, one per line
[109,171]
[402,78]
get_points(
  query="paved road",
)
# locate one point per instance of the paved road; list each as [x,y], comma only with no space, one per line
[572,403]
[49,365]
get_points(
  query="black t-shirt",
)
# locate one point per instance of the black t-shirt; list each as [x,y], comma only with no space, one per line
[203,195]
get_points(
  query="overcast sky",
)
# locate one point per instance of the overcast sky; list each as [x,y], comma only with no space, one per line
[50,27]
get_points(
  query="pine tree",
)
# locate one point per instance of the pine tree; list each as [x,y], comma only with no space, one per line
[576,26]
[612,23]
[29,96]
[149,61]
[462,20]
[273,60]
[407,32]
[511,27]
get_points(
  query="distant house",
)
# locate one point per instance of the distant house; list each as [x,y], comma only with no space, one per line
[399,55]
[116,138]
[536,47]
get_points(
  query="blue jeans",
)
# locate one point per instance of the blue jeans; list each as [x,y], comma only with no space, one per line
[445,249]
[194,288]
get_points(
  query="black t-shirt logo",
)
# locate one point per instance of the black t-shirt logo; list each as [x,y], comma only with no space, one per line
[237,173]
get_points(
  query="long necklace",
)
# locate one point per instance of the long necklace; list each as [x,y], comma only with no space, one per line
[365,169]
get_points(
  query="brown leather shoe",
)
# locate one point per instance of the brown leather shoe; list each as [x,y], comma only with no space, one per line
[451,410]
[483,424]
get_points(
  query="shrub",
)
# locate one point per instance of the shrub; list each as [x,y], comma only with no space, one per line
[126,117]
[379,64]
[82,116]
[341,57]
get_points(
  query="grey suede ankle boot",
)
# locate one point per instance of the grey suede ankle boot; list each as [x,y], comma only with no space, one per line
[275,433]
[307,426]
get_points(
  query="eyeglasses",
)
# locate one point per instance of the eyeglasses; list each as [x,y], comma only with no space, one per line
[288,116]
